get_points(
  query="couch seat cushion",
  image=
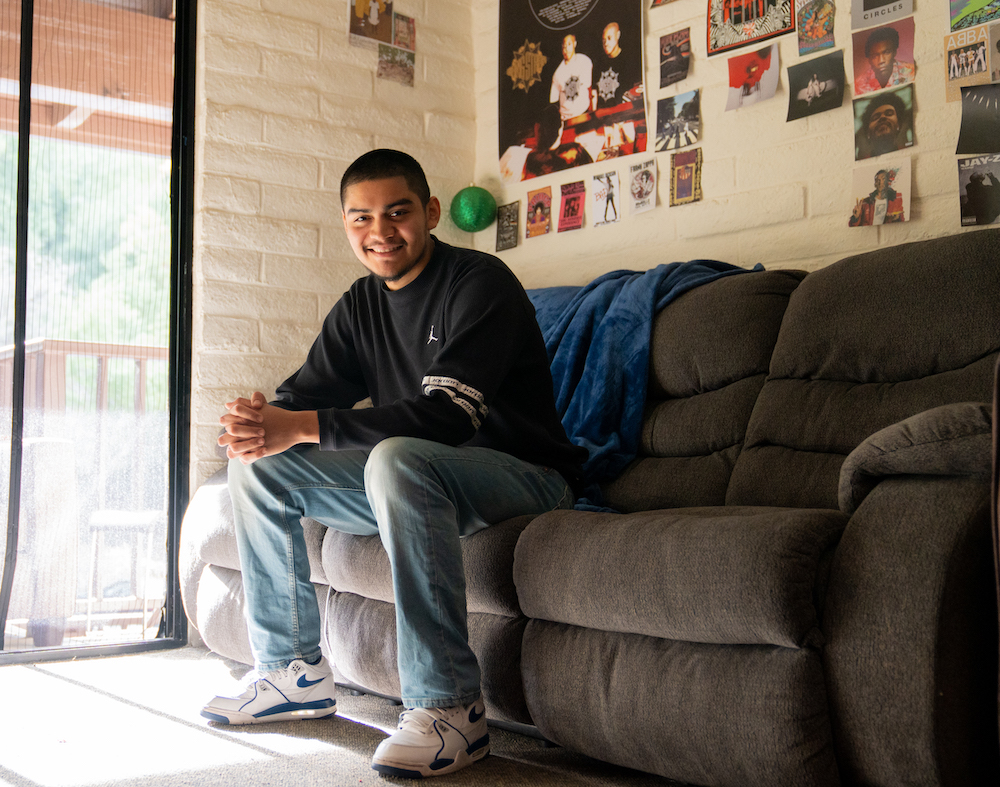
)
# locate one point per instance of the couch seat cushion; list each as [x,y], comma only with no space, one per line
[719,575]
[360,565]
[208,534]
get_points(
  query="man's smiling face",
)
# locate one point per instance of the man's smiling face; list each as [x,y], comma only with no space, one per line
[389,230]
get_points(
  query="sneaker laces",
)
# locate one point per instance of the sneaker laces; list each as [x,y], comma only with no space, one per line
[422,719]
[264,679]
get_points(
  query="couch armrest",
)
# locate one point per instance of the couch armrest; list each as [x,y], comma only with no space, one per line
[911,625]
[952,440]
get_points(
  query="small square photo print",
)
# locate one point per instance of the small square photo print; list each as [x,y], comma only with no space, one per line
[507,223]
[685,177]
[395,65]
[816,85]
[881,194]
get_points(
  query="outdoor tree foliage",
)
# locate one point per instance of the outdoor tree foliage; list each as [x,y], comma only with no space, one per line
[98,250]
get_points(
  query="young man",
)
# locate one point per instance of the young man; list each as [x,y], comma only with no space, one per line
[445,343]
[883,206]
[619,78]
[572,81]
[885,127]
[884,70]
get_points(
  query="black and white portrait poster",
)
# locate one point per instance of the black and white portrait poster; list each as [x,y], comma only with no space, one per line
[606,197]
[979,189]
[507,222]
[571,84]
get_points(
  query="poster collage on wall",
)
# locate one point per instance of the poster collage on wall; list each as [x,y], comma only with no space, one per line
[972,61]
[572,93]
[375,25]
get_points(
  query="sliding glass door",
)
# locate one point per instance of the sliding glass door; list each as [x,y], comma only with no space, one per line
[93,290]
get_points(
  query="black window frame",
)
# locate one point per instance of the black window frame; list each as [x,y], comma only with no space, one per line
[173,625]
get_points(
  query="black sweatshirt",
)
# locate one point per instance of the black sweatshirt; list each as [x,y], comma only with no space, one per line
[455,356]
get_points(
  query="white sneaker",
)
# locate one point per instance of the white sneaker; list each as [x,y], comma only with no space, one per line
[434,741]
[299,691]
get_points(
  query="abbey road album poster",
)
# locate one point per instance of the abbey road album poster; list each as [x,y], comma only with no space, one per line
[678,121]
[571,85]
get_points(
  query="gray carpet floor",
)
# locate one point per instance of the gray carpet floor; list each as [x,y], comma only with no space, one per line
[134,720]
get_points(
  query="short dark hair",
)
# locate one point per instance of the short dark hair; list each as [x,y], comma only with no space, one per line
[880,100]
[887,35]
[386,163]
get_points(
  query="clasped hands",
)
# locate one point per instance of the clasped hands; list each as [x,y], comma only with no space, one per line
[255,429]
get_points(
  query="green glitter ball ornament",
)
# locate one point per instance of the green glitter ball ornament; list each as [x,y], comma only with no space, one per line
[473,209]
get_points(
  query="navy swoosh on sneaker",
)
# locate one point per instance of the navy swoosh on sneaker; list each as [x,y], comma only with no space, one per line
[474,717]
[304,683]
[291,707]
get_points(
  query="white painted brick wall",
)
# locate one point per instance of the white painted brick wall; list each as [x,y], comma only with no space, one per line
[284,104]
[776,193]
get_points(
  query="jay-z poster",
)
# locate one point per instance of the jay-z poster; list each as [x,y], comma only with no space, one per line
[571,84]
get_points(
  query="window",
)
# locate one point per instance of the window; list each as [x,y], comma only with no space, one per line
[95,243]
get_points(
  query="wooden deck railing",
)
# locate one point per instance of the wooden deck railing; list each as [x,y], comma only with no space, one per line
[45,370]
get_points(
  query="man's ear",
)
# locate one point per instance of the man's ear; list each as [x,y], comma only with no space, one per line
[433,212]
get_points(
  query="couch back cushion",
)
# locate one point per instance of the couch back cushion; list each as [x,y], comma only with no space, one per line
[708,360]
[864,343]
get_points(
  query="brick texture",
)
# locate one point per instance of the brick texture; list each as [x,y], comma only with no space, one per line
[285,103]
[775,192]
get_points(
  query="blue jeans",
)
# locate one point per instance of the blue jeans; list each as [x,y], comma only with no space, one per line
[420,498]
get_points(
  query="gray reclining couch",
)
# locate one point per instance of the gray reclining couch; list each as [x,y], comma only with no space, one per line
[799,589]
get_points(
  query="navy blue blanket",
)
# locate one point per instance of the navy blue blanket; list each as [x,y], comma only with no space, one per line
[597,338]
